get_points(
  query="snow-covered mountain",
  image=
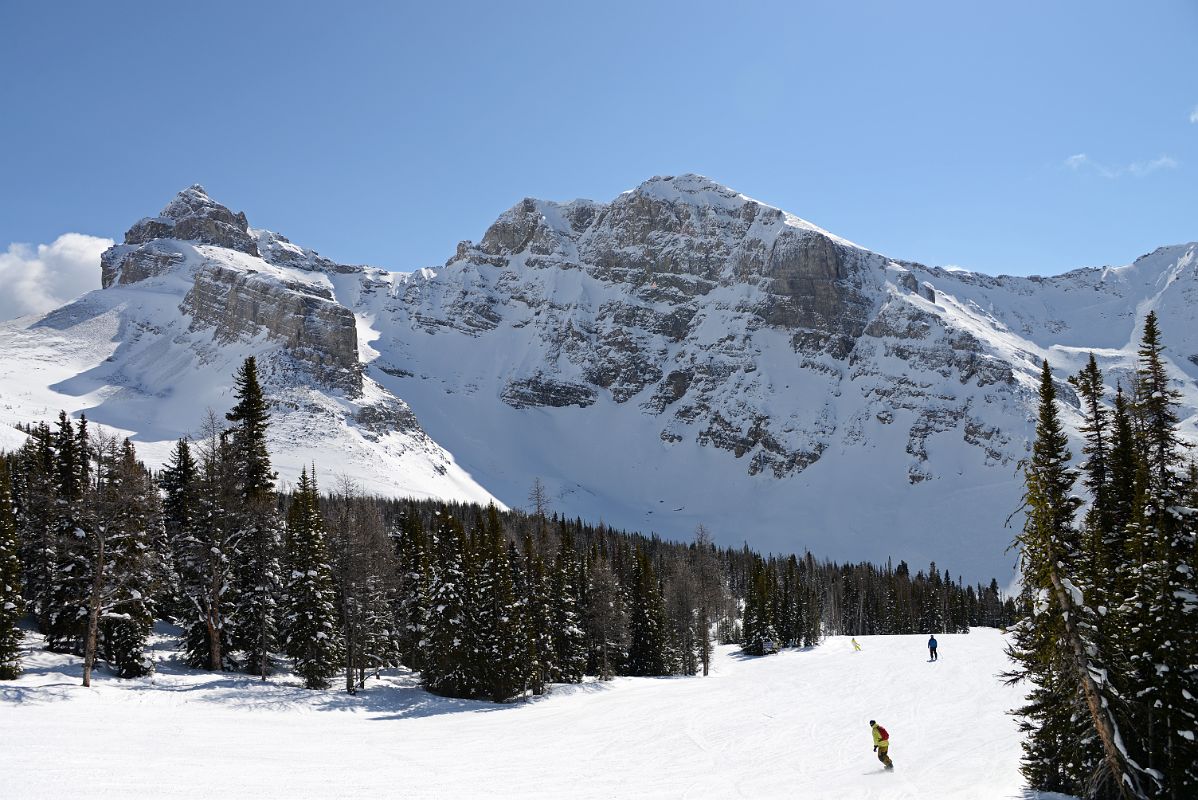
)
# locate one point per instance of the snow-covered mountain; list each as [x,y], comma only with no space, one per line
[681,355]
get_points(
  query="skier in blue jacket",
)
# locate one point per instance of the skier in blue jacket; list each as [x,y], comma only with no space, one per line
[932,648]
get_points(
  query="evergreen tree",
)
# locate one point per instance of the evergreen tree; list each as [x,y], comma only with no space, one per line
[1053,646]
[647,644]
[758,625]
[606,622]
[12,605]
[34,499]
[449,669]
[1166,594]
[569,644]
[72,576]
[203,534]
[257,524]
[311,633]
[128,514]
[415,574]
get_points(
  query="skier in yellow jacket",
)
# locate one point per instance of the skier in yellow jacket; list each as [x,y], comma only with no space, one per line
[881,743]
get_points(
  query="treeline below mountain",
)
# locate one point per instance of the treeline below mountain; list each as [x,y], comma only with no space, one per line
[484,603]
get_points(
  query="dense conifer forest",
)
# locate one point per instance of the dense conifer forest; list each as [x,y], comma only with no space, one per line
[484,603]
[1108,639]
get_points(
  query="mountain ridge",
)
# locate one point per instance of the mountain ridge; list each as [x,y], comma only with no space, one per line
[683,354]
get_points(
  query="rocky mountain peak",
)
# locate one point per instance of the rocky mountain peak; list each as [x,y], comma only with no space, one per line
[193,216]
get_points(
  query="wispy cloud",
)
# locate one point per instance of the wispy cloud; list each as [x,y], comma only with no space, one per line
[1137,169]
[37,280]
[1194,115]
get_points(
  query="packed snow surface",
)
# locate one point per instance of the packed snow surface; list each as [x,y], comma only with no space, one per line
[793,724]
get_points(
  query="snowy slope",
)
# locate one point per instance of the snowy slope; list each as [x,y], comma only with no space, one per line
[794,724]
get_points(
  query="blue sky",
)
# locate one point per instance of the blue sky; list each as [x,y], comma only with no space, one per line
[1005,137]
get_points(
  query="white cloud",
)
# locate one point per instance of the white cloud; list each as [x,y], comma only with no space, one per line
[1146,167]
[1136,169]
[35,281]
[1194,115]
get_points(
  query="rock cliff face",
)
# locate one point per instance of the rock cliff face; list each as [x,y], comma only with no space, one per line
[238,298]
[671,297]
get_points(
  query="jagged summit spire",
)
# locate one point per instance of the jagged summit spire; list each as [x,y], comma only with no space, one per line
[195,217]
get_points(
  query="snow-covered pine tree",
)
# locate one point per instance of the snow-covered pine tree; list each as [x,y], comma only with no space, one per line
[569,641]
[69,519]
[12,604]
[758,626]
[203,544]
[33,497]
[449,670]
[412,596]
[180,485]
[1165,605]
[127,510]
[310,628]
[1071,696]
[538,619]
[500,639]
[647,638]
[257,524]
[509,669]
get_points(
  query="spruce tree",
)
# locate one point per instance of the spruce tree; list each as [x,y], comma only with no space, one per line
[128,509]
[203,535]
[415,573]
[73,575]
[448,668]
[1165,604]
[257,524]
[1054,645]
[569,644]
[647,645]
[34,496]
[12,604]
[311,633]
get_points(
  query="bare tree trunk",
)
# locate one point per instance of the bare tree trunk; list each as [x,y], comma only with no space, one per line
[349,661]
[93,616]
[215,662]
[263,657]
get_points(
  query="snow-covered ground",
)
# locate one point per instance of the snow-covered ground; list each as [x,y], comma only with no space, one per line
[794,725]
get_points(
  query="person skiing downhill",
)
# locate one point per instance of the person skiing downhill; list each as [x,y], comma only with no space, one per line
[881,743]
[856,647]
[932,648]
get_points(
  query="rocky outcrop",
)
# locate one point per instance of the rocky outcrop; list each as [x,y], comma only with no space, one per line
[315,330]
[237,297]
[195,217]
[125,264]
